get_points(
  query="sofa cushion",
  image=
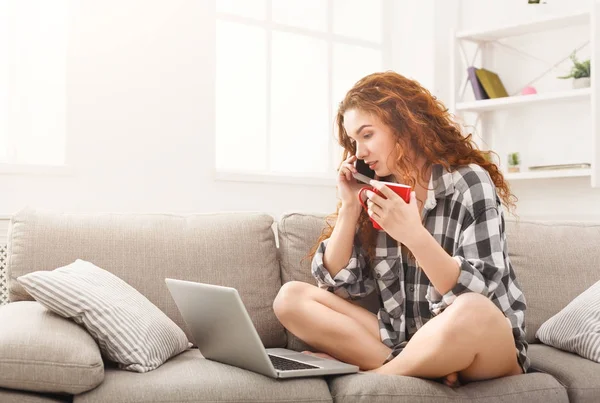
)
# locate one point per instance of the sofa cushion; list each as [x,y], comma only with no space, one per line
[129,329]
[43,352]
[297,234]
[554,263]
[17,396]
[576,327]
[581,377]
[191,378]
[365,387]
[231,249]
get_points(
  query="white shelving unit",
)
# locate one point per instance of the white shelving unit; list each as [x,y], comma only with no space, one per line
[495,104]
[460,61]
[541,25]
[559,173]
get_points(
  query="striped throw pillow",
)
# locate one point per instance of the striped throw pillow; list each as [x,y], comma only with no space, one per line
[576,328]
[129,329]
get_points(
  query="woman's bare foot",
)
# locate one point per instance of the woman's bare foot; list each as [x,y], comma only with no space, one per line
[451,380]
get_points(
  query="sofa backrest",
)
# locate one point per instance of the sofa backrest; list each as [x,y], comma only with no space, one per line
[297,233]
[554,262]
[231,249]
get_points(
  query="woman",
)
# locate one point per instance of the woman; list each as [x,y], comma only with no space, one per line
[450,306]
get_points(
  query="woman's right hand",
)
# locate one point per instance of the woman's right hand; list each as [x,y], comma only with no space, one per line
[348,187]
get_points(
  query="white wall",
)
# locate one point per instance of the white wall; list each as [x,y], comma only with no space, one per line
[141,119]
[413,30]
[141,113]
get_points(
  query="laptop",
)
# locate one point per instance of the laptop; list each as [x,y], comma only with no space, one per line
[223,331]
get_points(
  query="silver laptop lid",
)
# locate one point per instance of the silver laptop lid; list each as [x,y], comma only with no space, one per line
[220,325]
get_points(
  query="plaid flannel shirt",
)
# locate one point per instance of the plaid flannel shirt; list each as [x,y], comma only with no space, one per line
[464,214]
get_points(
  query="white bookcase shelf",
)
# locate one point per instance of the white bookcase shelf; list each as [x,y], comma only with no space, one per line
[482,109]
[541,25]
[558,173]
[521,100]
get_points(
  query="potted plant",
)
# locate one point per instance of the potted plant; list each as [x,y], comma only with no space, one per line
[514,162]
[580,72]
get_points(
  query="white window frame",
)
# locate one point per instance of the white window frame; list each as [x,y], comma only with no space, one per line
[8,168]
[386,49]
[36,169]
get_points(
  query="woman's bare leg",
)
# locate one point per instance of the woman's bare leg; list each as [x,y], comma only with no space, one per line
[471,337]
[331,324]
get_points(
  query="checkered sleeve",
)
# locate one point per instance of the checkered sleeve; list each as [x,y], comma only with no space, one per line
[352,282]
[480,254]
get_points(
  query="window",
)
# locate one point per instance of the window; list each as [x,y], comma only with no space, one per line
[33,57]
[282,68]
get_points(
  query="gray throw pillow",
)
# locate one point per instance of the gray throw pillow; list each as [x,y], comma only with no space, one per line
[41,351]
[129,329]
[576,328]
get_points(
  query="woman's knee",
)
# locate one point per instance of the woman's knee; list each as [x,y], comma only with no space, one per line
[487,330]
[289,297]
[472,313]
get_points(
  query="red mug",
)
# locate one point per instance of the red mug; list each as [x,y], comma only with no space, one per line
[398,188]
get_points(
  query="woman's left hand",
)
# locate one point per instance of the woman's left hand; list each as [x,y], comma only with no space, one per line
[399,219]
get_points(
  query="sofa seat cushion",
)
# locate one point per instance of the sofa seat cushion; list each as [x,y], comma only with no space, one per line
[580,376]
[16,396]
[189,377]
[372,388]
[41,351]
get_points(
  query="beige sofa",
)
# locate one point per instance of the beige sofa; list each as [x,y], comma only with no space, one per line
[554,262]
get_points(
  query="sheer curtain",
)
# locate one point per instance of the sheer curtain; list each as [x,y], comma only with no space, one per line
[33,57]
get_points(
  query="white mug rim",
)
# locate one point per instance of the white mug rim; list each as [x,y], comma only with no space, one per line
[402,185]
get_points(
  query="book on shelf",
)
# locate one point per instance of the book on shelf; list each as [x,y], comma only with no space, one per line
[491,83]
[478,90]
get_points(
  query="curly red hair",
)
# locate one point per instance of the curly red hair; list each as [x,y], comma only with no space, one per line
[422,124]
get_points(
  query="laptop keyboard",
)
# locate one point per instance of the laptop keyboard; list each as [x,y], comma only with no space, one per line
[283,364]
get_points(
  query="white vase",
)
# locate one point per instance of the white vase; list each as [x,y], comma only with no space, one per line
[583,82]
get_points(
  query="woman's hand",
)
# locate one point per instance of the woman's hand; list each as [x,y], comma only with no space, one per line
[399,219]
[348,187]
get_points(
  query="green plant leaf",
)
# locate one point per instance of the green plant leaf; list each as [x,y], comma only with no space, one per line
[579,69]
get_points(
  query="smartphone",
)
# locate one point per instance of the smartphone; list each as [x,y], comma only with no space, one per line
[364,169]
